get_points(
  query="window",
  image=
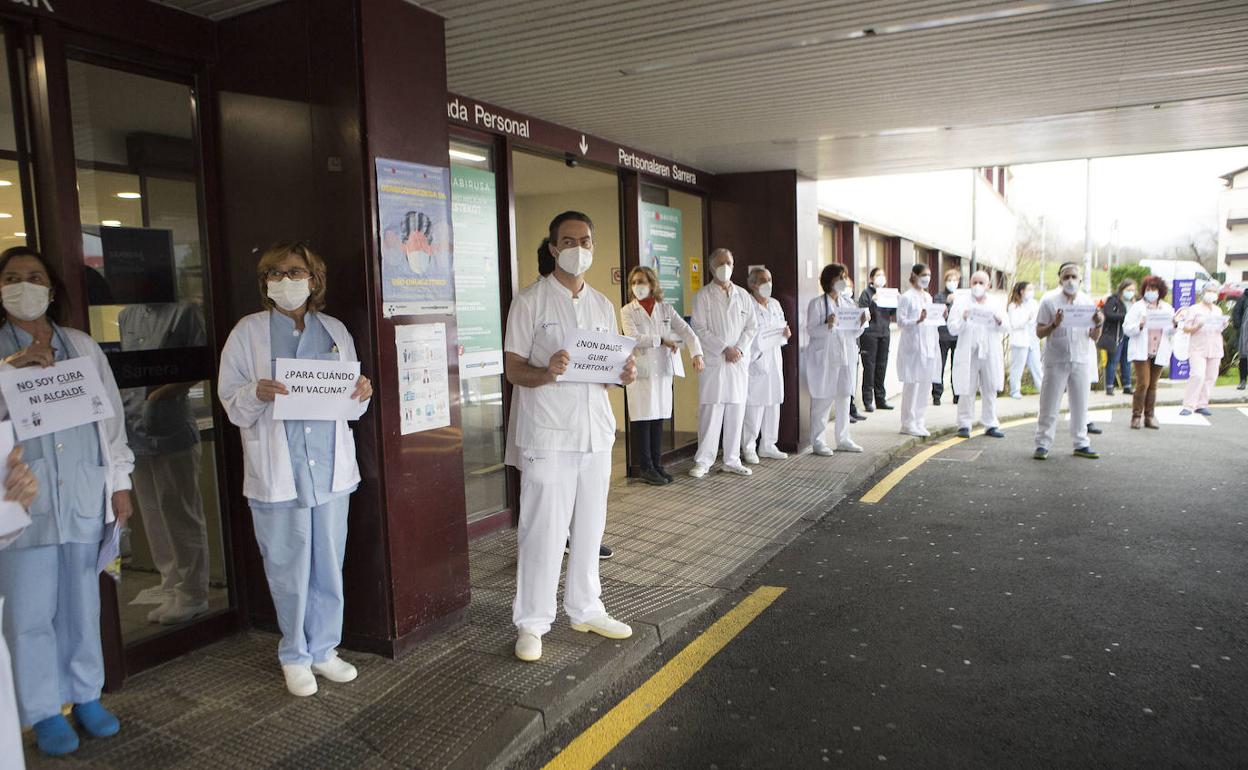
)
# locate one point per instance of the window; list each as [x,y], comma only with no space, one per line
[16,217]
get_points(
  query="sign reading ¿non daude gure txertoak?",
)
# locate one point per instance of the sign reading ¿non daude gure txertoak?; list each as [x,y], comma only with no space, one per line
[59,397]
[596,356]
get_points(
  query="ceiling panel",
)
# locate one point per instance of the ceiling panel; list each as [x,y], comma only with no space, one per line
[852,88]
[216,9]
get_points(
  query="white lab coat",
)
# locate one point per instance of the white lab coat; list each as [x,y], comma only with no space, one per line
[247,358]
[766,368]
[833,353]
[722,319]
[977,341]
[1137,338]
[1022,320]
[918,350]
[650,395]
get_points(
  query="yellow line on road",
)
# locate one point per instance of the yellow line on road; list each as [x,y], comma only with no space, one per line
[595,743]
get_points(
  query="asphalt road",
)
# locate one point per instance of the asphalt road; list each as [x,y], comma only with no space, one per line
[992,611]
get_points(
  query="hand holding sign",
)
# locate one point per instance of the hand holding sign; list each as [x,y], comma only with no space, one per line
[38,353]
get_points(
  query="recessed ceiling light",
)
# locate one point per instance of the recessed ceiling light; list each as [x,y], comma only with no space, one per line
[5,183]
[128,196]
[111,222]
[20,234]
[5,215]
[469,156]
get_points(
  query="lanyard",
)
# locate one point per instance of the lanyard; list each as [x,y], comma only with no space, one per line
[56,336]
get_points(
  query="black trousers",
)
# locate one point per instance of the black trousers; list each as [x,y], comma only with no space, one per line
[946,354]
[1243,368]
[648,438]
[874,350]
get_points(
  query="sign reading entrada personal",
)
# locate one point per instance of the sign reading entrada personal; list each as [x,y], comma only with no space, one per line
[487,117]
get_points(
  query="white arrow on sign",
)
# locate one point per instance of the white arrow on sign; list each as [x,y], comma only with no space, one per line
[584,145]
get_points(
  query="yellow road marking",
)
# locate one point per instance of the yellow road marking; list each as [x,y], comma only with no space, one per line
[596,742]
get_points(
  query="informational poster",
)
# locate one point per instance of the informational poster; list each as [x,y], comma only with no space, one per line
[477,304]
[662,250]
[695,274]
[1184,296]
[62,396]
[596,356]
[138,265]
[414,218]
[317,390]
[424,383]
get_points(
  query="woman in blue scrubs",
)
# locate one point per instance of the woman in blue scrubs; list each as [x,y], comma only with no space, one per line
[299,474]
[48,575]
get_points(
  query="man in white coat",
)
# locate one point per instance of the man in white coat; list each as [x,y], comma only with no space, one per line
[564,434]
[724,321]
[978,359]
[1066,364]
[766,392]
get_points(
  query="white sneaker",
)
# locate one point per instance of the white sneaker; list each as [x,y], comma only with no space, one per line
[773,454]
[698,471]
[181,613]
[155,615]
[299,680]
[740,470]
[823,450]
[749,457]
[335,669]
[528,646]
[604,625]
[915,432]
[848,446]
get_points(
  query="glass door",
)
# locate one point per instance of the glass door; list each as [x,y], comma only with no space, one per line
[136,152]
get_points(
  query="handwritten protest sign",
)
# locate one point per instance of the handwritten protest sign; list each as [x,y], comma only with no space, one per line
[318,390]
[59,397]
[596,356]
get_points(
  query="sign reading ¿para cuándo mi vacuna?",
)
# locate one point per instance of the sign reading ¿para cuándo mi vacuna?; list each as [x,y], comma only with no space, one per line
[317,390]
[59,397]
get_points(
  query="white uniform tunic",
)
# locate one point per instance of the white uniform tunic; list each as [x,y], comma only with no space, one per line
[918,349]
[564,434]
[1068,355]
[831,362]
[766,367]
[978,362]
[722,319]
[650,395]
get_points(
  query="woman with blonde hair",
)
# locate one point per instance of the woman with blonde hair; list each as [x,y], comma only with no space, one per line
[658,329]
[299,473]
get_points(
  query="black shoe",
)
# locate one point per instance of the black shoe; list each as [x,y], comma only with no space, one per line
[955,399]
[1126,391]
[935,400]
[964,432]
[1109,391]
[884,406]
[856,418]
[605,552]
[663,472]
[1242,386]
[1087,453]
[1095,431]
[653,478]
[994,432]
[868,408]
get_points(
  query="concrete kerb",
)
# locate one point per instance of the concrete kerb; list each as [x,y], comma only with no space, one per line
[608,661]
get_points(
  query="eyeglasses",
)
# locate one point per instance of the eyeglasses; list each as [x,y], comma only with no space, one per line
[294,274]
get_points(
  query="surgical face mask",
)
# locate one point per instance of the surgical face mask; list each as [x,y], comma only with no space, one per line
[838,288]
[723,273]
[1070,285]
[880,281]
[418,261]
[978,290]
[576,260]
[289,295]
[1152,295]
[925,281]
[951,285]
[641,290]
[764,290]
[1211,297]
[26,301]
[1029,294]
[1128,295]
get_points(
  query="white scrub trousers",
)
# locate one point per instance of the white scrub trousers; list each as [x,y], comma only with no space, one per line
[714,419]
[979,381]
[52,625]
[303,550]
[563,496]
[173,517]
[762,424]
[1020,358]
[10,724]
[914,406]
[819,410]
[1058,379]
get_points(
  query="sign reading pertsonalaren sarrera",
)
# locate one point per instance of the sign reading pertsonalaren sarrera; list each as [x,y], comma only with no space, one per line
[59,397]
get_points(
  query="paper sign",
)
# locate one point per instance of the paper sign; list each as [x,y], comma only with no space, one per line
[678,363]
[935,316]
[886,298]
[849,319]
[110,551]
[319,390]
[1078,316]
[770,339]
[983,316]
[1215,322]
[423,376]
[13,517]
[596,356]
[60,397]
[1159,319]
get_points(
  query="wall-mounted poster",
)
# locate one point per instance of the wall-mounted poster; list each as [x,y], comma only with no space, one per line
[417,258]
[424,386]
[477,305]
[662,250]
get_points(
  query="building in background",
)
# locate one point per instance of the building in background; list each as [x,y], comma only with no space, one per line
[1233,226]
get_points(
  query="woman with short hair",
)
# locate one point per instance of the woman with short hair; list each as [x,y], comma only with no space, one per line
[831,359]
[1147,349]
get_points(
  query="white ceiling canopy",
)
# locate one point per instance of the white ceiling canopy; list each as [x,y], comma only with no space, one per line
[854,88]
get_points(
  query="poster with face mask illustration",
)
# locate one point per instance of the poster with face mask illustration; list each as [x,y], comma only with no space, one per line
[417,257]
[662,250]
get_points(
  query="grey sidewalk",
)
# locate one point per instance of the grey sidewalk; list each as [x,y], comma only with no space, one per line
[462,699]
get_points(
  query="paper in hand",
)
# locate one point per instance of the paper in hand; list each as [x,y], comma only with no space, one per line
[13,517]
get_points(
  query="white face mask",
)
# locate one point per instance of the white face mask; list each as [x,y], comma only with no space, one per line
[418,261]
[1128,295]
[848,292]
[951,285]
[838,288]
[576,260]
[641,290]
[1152,295]
[1211,297]
[880,281]
[978,290]
[925,281]
[290,295]
[723,273]
[1028,295]
[26,301]
[764,290]
[1071,286]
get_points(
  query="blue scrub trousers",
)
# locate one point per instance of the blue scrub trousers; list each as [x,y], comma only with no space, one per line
[52,624]
[303,550]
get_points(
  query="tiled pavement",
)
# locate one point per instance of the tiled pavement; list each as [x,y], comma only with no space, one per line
[461,699]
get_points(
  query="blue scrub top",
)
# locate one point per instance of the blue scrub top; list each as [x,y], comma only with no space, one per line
[311,442]
[70,505]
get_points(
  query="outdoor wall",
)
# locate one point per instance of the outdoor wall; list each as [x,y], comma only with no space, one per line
[1233,203]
